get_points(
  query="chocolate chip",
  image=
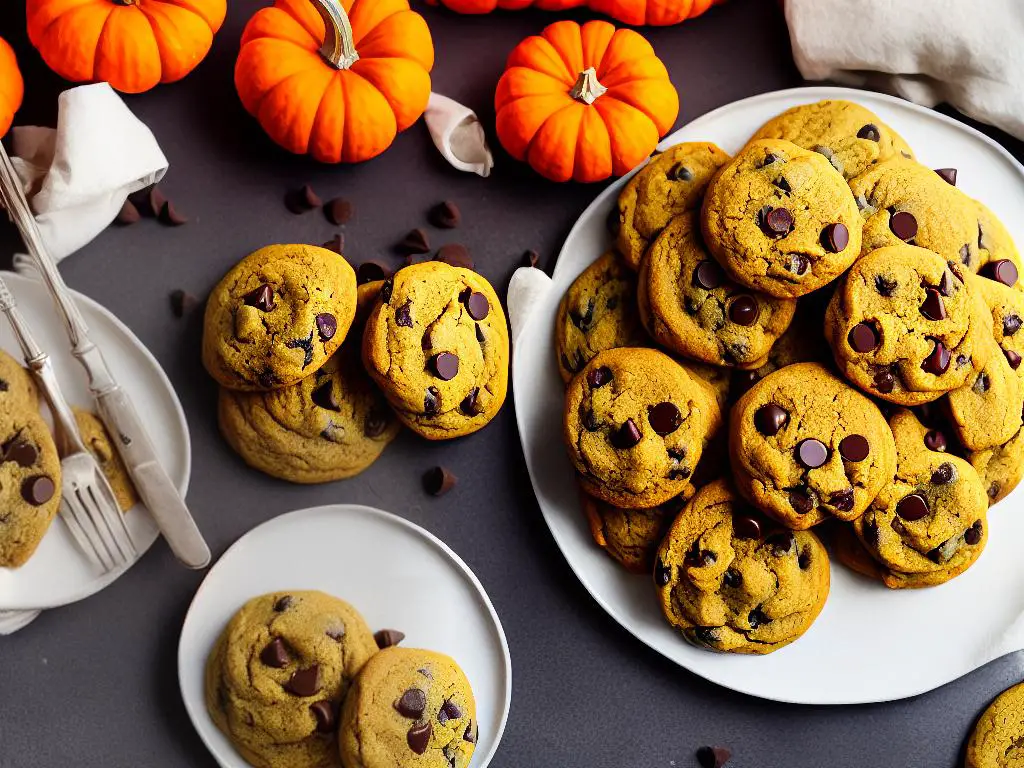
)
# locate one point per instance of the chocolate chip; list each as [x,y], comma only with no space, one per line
[325,716]
[934,440]
[1012,358]
[713,757]
[973,534]
[477,305]
[944,474]
[590,422]
[885,286]
[863,338]
[869,132]
[981,384]
[835,237]
[757,617]
[903,225]
[965,254]
[469,405]
[1011,324]
[699,558]
[338,211]
[149,201]
[262,298]
[783,185]
[776,222]
[275,654]
[937,362]
[431,402]
[884,382]
[37,490]
[306,345]
[449,711]
[445,365]
[326,326]
[1001,270]
[22,452]
[377,420]
[324,397]
[781,543]
[373,270]
[128,214]
[804,561]
[171,216]
[386,290]
[746,527]
[302,200]
[933,308]
[770,159]
[664,418]
[182,302]
[801,501]
[336,243]
[419,737]
[438,481]
[842,500]
[283,603]
[770,418]
[403,316]
[415,241]
[945,551]
[386,638]
[412,704]
[598,377]
[798,264]
[743,310]
[480,335]
[455,255]
[732,578]
[627,435]
[582,320]
[948,175]
[304,682]
[445,215]
[912,507]
[706,636]
[662,573]
[854,448]
[679,172]
[708,275]
[993,490]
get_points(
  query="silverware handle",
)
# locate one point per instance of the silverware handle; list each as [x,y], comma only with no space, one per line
[154,486]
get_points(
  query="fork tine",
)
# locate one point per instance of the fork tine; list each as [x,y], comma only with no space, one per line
[75,517]
[103,498]
[78,534]
[99,526]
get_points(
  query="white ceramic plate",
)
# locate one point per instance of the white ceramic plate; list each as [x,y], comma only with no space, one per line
[58,573]
[379,563]
[870,643]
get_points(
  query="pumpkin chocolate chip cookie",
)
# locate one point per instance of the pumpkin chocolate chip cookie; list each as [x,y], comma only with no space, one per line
[806,446]
[277,316]
[852,137]
[278,674]
[671,182]
[598,312]
[927,525]
[781,219]
[903,326]
[997,740]
[688,304]
[97,440]
[1000,468]
[410,708]
[636,423]
[732,581]
[436,343]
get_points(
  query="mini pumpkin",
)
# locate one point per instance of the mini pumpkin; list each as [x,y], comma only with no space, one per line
[584,103]
[635,12]
[336,80]
[11,86]
[132,44]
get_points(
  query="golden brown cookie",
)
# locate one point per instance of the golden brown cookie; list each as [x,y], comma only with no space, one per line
[17,387]
[97,440]
[997,740]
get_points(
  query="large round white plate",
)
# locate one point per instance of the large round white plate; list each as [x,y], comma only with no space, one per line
[395,573]
[870,643]
[58,573]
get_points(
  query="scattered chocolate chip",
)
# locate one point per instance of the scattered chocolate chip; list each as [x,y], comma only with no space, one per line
[414,242]
[757,617]
[418,737]
[854,448]
[776,222]
[324,397]
[403,315]
[798,264]
[598,377]
[21,452]
[662,573]
[869,132]
[1001,270]
[981,383]
[372,270]
[884,382]
[1011,324]
[708,275]
[811,453]
[842,500]
[1012,358]
[325,716]
[302,200]
[679,172]
[746,527]
[743,310]
[445,365]
[326,326]
[801,501]
[150,201]
[338,211]
[531,258]
[863,338]
[431,402]
[37,490]
[304,682]
[937,363]
[835,237]
[262,298]
[445,215]
[449,711]
[438,481]
[934,440]
[912,507]
[336,243]
[781,543]
[664,418]
[973,534]
[885,286]
[412,704]
[732,578]
[944,474]
[455,255]
[386,638]
[182,302]
[275,654]
[469,405]
[933,308]
[477,305]
[627,435]
[948,175]
[470,734]
[171,216]
[903,225]
[128,214]
[283,603]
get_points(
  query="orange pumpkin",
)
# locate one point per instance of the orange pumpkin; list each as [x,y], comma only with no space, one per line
[584,103]
[336,79]
[132,44]
[635,12]
[12,87]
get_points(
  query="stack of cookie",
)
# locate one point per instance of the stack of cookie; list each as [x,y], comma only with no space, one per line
[296,680]
[839,351]
[427,348]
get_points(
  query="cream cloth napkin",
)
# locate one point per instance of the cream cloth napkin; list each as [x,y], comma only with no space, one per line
[458,135]
[968,53]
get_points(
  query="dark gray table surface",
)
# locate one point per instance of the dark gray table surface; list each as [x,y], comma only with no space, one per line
[95,684]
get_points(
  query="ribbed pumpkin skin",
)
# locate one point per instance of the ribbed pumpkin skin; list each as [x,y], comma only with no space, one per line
[12,87]
[133,44]
[561,138]
[653,13]
[336,115]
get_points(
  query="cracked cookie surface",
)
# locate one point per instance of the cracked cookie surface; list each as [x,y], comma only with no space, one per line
[997,740]
[436,343]
[598,312]
[806,446]
[928,524]
[672,182]
[409,708]
[730,580]
[688,304]
[97,440]
[850,136]
[904,327]
[781,220]
[636,424]
[29,484]
[277,316]
[279,672]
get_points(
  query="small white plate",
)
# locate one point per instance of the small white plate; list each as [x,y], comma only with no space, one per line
[59,573]
[870,643]
[395,573]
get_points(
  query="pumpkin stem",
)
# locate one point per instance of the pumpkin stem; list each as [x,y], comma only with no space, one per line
[587,88]
[339,48]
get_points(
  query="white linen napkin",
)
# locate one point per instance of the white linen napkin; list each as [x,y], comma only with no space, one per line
[525,289]
[968,53]
[458,135]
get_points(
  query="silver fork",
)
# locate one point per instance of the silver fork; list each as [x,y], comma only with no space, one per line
[88,506]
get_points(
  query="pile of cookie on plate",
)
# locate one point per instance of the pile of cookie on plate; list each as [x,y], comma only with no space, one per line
[817,336]
[426,347]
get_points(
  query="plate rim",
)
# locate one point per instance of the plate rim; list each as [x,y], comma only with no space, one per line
[810,93]
[105,580]
[391,518]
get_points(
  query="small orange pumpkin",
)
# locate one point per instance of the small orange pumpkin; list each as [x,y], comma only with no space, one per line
[12,87]
[584,103]
[132,44]
[635,12]
[336,80]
